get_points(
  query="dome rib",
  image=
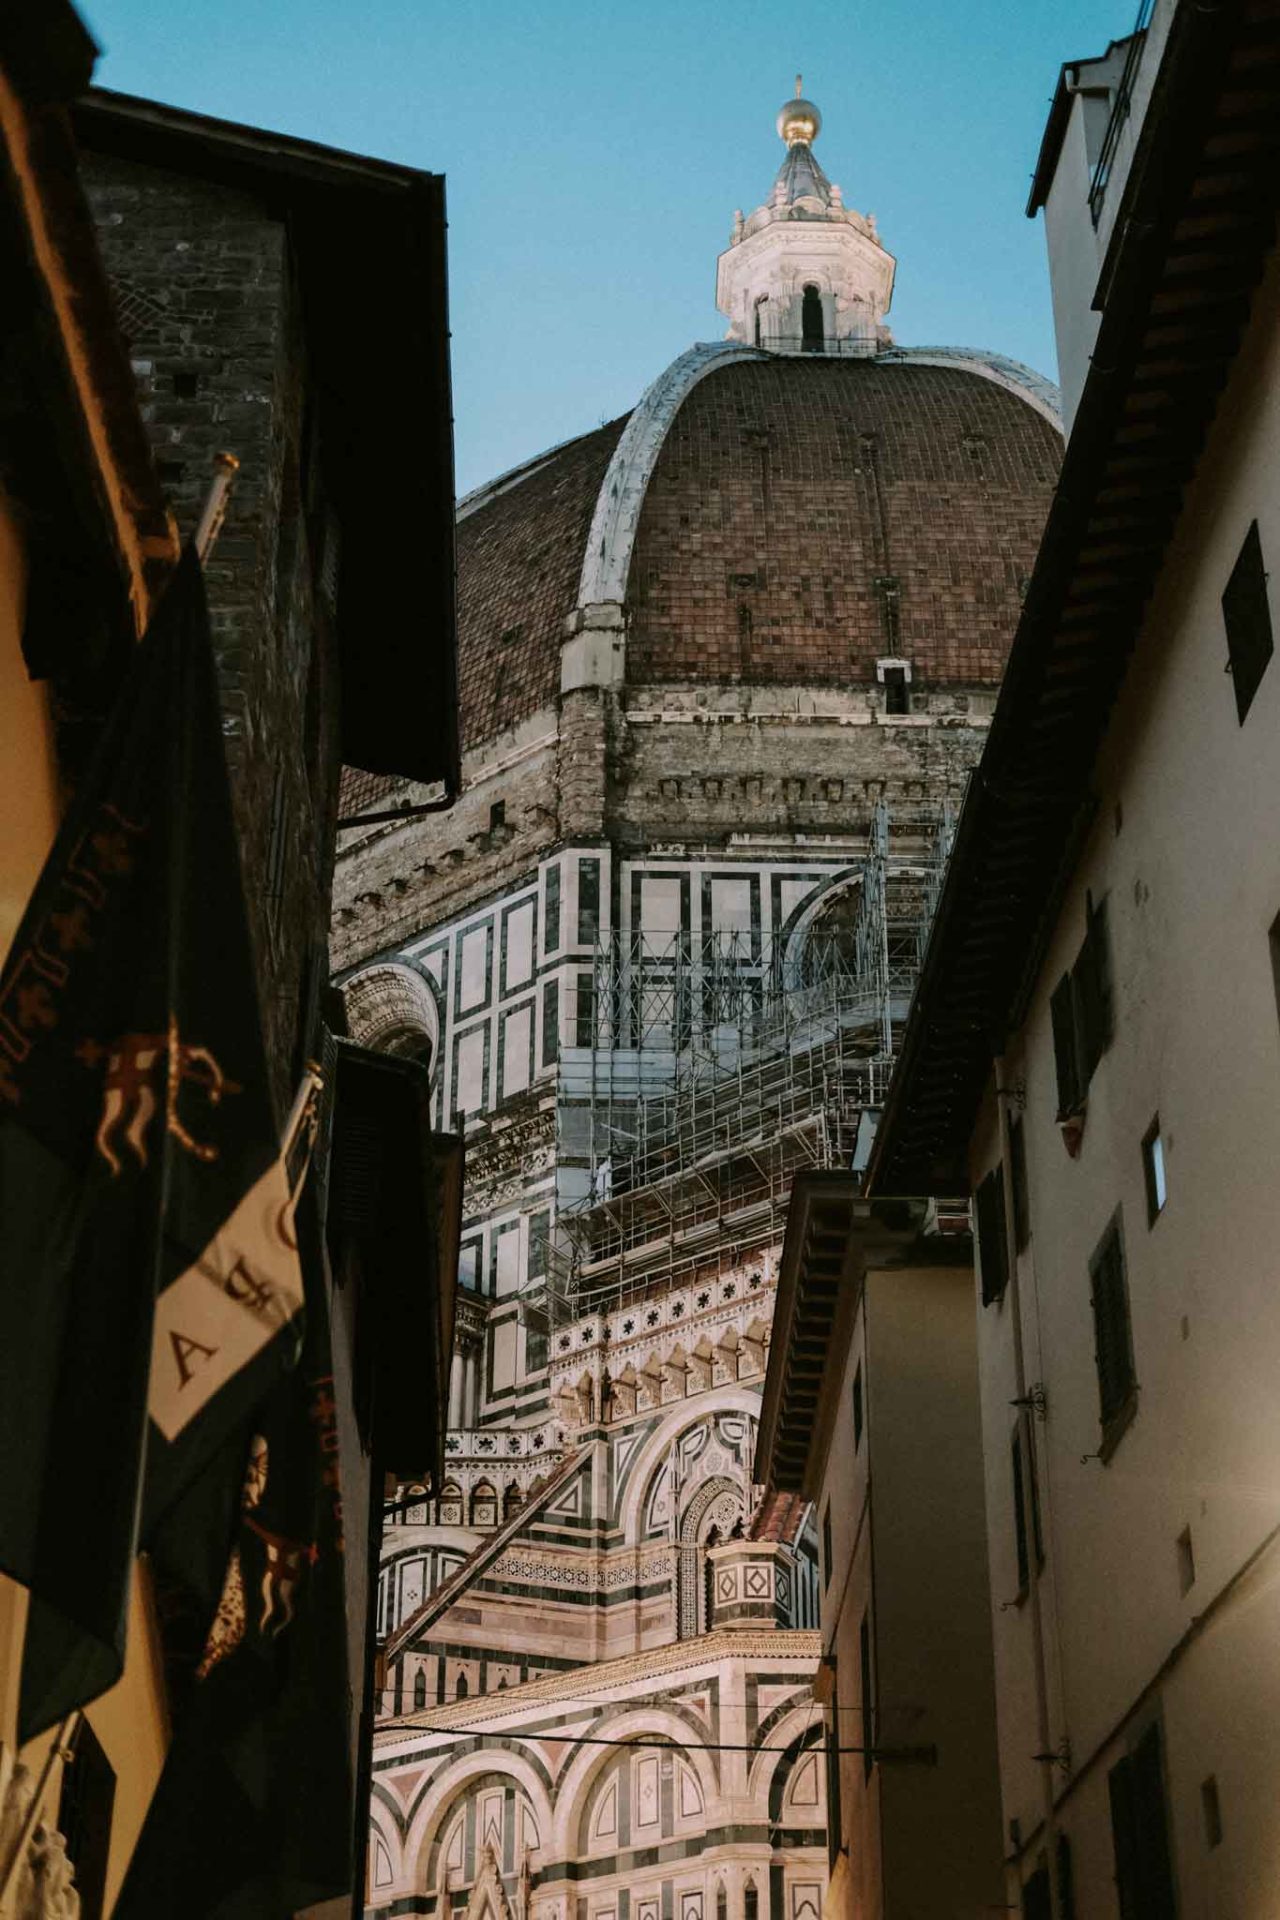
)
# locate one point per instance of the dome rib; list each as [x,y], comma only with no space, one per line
[607,562]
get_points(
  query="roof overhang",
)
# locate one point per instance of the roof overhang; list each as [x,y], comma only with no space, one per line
[98,541]
[369,241]
[1069,84]
[1193,235]
[834,1237]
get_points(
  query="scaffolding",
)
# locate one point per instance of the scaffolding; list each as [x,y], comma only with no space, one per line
[712,1068]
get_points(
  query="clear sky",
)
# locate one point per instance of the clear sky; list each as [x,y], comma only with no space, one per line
[594,154]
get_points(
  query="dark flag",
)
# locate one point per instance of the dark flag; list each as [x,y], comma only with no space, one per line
[148,1272]
[253,1815]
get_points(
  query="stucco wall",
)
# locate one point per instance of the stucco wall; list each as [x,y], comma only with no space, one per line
[1185,853]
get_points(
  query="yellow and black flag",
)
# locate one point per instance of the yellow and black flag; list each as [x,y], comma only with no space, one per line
[149,1276]
[253,1816]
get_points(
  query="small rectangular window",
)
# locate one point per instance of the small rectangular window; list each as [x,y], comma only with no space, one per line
[585,1018]
[497,815]
[550,1022]
[588,902]
[1211,1807]
[1113,1338]
[551,928]
[1018,1180]
[1247,619]
[992,1245]
[539,1235]
[826,1545]
[857,1407]
[1153,1171]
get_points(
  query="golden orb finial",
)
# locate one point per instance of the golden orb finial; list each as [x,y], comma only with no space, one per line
[799,122]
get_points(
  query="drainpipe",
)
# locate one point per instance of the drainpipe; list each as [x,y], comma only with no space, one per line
[1046,1758]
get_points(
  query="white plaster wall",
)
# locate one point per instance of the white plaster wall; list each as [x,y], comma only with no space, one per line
[1076,248]
[1186,852]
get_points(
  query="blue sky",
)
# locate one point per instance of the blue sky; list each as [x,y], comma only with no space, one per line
[594,155]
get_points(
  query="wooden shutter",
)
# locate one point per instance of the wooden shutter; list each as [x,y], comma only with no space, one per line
[1062,1013]
[1124,1840]
[1018,1180]
[1020,1510]
[1066,1880]
[867,1683]
[1035,1894]
[1092,982]
[1247,618]
[835,1817]
[1152,1828]
[1113,1348]
[1033,1488]
[992,1245]
[84,1817]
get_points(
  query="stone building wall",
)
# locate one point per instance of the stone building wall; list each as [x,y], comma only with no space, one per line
[207,300]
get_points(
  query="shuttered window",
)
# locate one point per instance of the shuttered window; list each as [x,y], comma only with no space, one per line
[1092,978]
[1140,1832]
[1026,1509]
[84,1817]
[1035,1893]
[992,1245]
[1018,1180]
[1112,1335]
[835,1818]
[1247,618]
[1081,1012]
[866,1682]
[1062,1014]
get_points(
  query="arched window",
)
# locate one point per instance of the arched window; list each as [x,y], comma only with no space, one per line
[812,328]
[750,1902]
[759,316]
[419,1690]
[722,1902]
[461,1690]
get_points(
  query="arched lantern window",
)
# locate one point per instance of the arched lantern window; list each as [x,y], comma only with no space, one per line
[812,326]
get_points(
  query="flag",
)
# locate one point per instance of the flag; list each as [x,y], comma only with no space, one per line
[253,1816]
[148,1275]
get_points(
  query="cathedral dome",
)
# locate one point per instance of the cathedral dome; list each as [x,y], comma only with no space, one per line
[767,518]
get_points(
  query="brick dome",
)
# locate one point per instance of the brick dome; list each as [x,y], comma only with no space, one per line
[796,519]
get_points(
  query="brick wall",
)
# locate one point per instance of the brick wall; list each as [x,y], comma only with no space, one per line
[206,299]
[808,517]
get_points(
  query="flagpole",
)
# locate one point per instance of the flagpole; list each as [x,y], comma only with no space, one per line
[226,467]
[60,1750]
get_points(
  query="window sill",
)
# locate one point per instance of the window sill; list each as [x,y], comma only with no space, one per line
[1117,1426]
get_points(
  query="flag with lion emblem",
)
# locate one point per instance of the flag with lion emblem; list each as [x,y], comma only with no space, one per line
[149,1277]
[253,1817]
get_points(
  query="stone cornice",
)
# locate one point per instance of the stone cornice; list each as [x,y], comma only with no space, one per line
[681,1656]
